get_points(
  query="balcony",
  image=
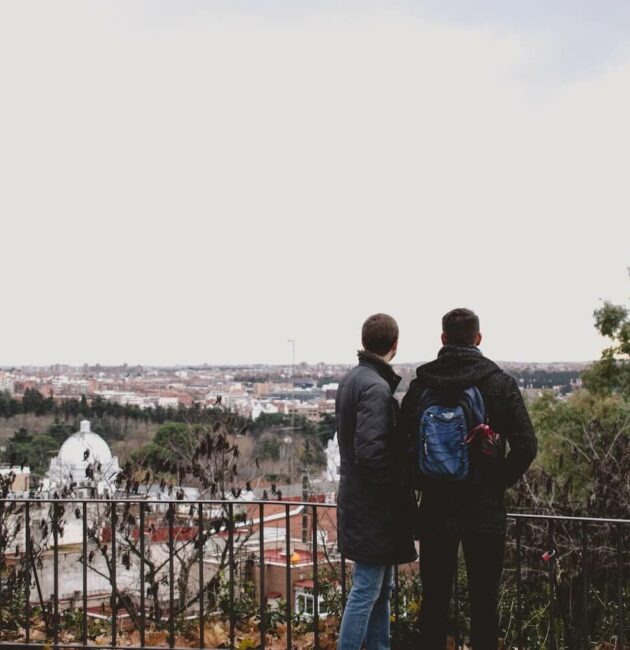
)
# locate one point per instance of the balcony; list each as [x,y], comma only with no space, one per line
[266,574]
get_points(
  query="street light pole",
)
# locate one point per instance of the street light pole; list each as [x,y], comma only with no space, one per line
[292,342]
[304,477]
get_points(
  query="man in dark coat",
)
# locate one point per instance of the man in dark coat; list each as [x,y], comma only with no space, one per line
[375,510]
[471,511]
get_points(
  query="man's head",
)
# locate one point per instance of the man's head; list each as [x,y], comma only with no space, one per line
[461,327]
[379,335]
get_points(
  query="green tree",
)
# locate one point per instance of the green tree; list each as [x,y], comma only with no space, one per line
[174,442]
[611,374]
[267,448]
[282,422]
[43,448]
[582,469]
[18,448]
[584,453]
[59,431]
[8,405]
[22,436]
[34,451]
[34,402]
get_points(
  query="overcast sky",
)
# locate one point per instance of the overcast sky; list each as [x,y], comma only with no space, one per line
[192,181]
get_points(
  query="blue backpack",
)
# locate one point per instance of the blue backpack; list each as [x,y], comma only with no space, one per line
[446,426]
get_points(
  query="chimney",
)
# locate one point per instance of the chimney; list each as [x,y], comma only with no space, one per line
[85,426]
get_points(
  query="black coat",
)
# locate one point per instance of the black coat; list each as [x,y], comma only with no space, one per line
[375,510]
[478,506]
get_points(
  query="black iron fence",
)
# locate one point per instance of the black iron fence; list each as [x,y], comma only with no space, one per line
[121,572]
[585,565]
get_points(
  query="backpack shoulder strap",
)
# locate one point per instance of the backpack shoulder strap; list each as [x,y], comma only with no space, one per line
[428,397]
[475,399]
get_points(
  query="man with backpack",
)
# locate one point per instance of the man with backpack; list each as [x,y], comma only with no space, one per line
[458,415]
[375,508]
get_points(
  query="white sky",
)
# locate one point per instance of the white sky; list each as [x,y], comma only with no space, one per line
[192,182]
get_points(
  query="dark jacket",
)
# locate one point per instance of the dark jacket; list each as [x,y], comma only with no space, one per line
[375,511]
[473,506]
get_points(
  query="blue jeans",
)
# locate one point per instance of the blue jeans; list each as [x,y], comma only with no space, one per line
[366,617]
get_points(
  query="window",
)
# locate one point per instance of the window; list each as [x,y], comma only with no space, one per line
[305,604]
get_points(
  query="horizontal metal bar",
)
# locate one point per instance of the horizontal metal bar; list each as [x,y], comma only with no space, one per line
[594,520]
[222,502]
[163,502]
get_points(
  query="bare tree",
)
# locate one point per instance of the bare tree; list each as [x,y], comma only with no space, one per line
[160,544]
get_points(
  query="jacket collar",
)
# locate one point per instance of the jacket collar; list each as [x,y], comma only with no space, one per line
[457,367]
[384,369]
[460,351]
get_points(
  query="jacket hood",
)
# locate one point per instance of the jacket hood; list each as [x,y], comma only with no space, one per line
[457,367]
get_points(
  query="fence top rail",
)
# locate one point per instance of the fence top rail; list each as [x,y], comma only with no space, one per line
[543,517]
[310,504]
[175,502]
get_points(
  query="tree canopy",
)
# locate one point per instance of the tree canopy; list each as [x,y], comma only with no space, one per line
[611,374]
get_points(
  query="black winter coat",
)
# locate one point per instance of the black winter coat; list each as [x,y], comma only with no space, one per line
[375,510]
[467,506]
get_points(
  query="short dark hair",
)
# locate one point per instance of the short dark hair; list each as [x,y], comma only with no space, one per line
[379,333]
[460,326]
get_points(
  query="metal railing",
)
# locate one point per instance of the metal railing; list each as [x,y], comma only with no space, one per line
[549,557]
[115,532]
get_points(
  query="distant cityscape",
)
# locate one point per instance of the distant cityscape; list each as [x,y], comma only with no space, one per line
[304,389]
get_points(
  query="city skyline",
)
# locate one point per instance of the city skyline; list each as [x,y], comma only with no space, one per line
[57,368]
[251,390]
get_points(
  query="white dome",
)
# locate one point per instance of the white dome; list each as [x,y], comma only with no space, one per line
[73,450]
[82,449]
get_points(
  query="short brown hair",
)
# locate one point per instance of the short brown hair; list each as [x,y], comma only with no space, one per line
[460,326]
[379,333]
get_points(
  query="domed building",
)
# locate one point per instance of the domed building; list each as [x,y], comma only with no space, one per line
[86,460]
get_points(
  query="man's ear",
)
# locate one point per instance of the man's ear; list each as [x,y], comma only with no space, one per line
[444,339]
[394,348]
[478,339]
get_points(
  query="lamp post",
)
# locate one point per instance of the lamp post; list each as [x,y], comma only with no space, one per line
[304,476]
[292,342]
